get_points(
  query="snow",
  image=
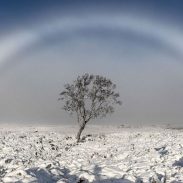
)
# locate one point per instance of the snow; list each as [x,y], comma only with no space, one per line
[106,154]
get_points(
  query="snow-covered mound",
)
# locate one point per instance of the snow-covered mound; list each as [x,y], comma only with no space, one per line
[126,155]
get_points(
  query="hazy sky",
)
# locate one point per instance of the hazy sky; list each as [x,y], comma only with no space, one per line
[45,44]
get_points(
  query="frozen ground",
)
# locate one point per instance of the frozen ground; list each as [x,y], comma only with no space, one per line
[126,155]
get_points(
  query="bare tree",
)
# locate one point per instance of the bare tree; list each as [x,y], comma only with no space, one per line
[89,97]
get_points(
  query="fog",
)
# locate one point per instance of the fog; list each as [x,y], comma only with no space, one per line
[141,53]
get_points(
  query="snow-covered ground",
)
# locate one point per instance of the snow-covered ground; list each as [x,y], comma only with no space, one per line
[106,154]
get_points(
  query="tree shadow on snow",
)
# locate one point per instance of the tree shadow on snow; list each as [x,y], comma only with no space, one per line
[46,176]
[98,179]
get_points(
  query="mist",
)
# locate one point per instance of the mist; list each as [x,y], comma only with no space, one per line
[139,51]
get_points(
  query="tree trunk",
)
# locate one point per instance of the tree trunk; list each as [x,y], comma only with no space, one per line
[79,132]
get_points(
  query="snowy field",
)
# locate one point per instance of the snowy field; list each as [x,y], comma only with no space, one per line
[106,154]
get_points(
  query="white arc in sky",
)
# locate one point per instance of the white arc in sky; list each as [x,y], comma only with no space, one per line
[14,43]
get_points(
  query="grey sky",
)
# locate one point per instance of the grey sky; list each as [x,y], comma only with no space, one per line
[141,53]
